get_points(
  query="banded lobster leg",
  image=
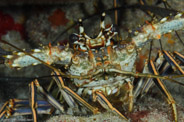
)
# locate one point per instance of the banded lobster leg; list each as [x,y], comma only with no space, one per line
[163,89]
[164,63]
[36,86]
[97,96]
[15,107]
[68,94]
[179,56]
[172,61]
[144,84]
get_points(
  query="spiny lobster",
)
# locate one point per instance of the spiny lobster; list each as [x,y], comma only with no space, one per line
[98,68]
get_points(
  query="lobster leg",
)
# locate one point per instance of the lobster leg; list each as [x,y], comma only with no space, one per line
[105,103]
[48,97]
[144,84]
[69,94]
[163,66]
[130,107]
[163,89]
[16,107]
[179,56]
[33,101]
[172,61]
[54,90]
[70,101]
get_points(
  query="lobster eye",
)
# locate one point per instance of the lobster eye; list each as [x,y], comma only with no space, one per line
[115,28]
[72,38]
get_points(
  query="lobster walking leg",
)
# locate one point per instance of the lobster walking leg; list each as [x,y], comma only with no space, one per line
[67,90]
[130,96]
[144,84]
[48,97]
[106,104]
[172,62]
[33,101]
[164,64]
[16,107]
[179,56]
[161,86]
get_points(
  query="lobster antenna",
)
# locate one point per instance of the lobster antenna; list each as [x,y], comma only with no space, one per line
[151,44]
[179,37]
[160,44]
[166,5]
[51,67]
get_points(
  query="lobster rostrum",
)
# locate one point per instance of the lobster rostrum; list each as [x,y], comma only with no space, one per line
[98,68]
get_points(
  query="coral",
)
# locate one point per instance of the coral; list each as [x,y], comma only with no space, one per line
[7,23]
[58,18]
